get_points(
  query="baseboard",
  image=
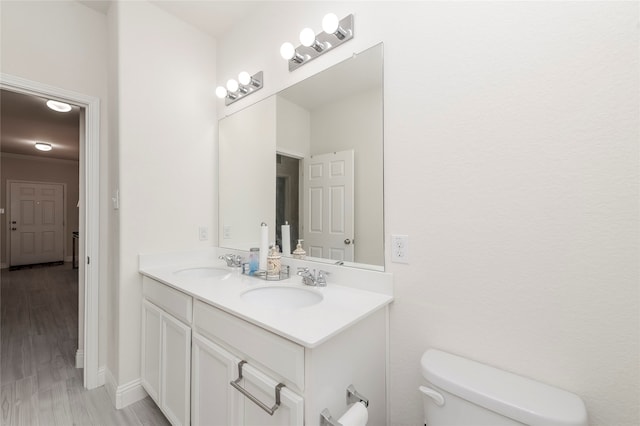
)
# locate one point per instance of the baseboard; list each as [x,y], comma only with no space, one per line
[123,395]
[80,358]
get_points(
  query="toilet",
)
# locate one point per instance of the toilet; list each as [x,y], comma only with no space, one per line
[464,392]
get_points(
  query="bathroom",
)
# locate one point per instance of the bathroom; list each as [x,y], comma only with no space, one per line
[510,162]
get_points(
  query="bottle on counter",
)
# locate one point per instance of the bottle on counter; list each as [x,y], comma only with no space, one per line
[273,262]
[299,252]
[254,260]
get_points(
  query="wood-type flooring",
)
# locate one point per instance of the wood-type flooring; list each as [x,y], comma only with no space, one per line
[39,383]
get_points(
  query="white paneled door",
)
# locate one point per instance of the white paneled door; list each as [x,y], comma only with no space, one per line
[328,205]
[36,222]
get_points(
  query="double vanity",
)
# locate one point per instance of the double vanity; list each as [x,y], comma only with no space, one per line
[220,347]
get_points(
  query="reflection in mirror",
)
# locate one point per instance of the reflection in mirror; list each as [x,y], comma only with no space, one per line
[311,155]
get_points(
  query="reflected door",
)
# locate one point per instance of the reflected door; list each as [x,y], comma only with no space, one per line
[36,223]
[328,205]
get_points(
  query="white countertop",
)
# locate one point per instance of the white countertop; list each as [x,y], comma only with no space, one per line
[342,304]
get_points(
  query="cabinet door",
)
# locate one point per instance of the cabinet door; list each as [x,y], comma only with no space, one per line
[151,337]
[213,401]
[175,374]
[291,409]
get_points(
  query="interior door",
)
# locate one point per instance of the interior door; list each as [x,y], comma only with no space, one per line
[36,223]
[328,205]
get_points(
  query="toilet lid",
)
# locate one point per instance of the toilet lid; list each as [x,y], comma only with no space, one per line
[508,394]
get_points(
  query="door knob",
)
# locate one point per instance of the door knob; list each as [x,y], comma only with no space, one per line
[347,241]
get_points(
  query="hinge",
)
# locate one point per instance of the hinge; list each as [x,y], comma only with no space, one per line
[88,260]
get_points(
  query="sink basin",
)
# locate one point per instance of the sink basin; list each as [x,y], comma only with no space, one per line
[282,297]
[202,272]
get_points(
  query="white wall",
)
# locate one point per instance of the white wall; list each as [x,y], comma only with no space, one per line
[293,127]
[73,57]
[166,147]
[247,146]
[511,161]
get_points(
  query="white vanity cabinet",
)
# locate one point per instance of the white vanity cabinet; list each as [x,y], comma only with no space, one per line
[166,349]
[192,351]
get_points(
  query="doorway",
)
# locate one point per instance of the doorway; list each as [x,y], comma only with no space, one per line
[287,198]
[88,248]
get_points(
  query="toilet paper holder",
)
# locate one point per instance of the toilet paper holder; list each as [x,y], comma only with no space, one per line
[352,396]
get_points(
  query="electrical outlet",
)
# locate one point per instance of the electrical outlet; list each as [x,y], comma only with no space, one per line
[226,233]
[400,248]
[203,233]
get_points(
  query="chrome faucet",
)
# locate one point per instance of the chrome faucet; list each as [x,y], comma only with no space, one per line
[310,278]
[233,260]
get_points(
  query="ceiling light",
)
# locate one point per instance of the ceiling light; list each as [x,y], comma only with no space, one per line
[58,106]
[43,146]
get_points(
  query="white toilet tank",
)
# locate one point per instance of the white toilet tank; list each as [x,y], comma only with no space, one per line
[464,392]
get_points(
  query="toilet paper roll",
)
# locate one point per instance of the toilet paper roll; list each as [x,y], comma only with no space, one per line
[356,415]
[264,246]
[286,239]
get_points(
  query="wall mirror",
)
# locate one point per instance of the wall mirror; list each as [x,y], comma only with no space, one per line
[310,155]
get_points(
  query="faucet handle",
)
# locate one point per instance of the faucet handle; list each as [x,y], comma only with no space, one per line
[232,260]
[322,278]
[302,271]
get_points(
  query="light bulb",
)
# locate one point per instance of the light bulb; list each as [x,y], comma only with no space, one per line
[221,92]
[307,37]
[232,85]
[330,23]
[287,51]
[244,78]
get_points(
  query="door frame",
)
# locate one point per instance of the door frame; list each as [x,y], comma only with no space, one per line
[64,213]
[89,220]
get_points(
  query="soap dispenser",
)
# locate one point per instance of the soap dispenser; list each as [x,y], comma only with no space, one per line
[299,252]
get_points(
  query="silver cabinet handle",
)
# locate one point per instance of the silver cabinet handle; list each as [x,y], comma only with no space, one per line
[236,384]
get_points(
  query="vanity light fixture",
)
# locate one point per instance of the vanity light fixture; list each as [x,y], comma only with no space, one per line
[43,146]
[335,32]
[238,89]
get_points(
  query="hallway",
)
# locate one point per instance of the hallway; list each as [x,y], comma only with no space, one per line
[38,338]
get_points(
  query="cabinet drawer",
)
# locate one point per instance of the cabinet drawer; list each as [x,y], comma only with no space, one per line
[171,300]
[276,353]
